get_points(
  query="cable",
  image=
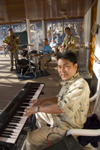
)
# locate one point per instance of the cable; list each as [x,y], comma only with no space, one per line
[59,135]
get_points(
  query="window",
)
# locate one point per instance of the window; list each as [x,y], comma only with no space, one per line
[54,29]
[3,32]
[36,32]
[18,30]
[75,26]
[20,27]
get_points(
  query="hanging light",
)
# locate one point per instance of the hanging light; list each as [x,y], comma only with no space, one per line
[62,11]
[1,20]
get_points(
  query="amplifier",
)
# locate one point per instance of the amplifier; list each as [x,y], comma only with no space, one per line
[67,143]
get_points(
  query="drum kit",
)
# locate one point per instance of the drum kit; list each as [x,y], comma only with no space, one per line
[28,62]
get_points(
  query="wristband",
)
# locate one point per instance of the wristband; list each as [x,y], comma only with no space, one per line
[37,109]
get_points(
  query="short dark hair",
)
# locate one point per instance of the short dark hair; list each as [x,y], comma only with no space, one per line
[68,55]
[67,28]
[45,39]
[9,29]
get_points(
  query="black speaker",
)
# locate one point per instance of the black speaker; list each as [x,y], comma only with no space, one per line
[67,143]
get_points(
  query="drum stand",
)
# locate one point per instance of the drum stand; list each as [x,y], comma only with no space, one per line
[30,69]
[34,59]
[38,66]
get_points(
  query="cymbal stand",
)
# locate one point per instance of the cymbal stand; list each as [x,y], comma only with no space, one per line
[37,65]
[30,69]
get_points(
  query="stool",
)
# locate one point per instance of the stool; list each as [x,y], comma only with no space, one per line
[46,64]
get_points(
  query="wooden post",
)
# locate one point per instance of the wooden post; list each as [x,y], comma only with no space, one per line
[63,29]
[28,24]
[43,27]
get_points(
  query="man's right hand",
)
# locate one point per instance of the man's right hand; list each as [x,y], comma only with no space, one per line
[38,102]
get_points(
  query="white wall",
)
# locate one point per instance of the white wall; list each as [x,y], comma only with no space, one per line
[96,67]
[87,25]
[97,44]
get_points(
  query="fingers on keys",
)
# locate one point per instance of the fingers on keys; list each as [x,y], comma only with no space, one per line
[27,111]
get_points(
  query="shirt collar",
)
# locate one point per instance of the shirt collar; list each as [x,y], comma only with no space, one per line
[68,36]
[72,79]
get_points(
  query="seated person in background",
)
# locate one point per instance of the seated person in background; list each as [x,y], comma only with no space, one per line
[61,49]
[77,42]
[69,40]
[53,45]
[66,110]
[47,52]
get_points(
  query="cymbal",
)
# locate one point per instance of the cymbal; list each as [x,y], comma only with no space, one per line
[28,45]
[23,48]
[40,54]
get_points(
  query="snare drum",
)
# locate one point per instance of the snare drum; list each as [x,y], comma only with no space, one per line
[24,53]
[32,53]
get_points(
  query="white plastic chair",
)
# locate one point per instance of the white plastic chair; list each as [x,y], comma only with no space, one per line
[89,132]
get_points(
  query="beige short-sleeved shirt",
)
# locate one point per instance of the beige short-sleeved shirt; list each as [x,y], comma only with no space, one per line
[70,38]
[73,100]
[9,40]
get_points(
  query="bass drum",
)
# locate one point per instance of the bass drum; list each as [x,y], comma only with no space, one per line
[23,62]
[22,65]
